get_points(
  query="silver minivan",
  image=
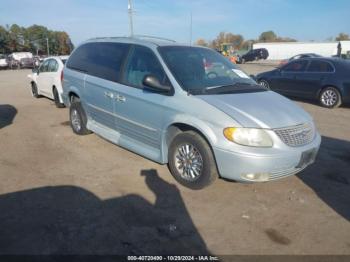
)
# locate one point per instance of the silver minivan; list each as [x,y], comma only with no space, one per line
[188,107]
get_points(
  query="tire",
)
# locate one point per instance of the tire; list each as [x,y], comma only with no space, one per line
[35,92]
[330,97]
[78,119]
[264,83]
[57,98]
[190,146]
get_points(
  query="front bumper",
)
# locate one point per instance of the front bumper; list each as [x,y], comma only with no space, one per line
[235,165]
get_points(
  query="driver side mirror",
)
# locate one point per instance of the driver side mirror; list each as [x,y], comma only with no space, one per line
[152,83]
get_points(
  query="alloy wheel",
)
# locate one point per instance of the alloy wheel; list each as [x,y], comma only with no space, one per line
[188,162]
[329,98]
[75,119]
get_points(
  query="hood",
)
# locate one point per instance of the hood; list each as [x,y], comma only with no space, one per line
[261,109]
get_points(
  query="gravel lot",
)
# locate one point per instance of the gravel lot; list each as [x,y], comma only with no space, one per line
[65,194]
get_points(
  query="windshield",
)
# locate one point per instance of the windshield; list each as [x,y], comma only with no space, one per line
[198,69]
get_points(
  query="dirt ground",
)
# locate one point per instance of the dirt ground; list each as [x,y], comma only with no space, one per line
[65,194]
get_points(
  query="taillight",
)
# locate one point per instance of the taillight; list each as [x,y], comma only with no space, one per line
[61,76]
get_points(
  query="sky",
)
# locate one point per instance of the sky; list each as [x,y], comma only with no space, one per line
[304,20]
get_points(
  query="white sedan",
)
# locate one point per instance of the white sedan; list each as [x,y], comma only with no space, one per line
[47,79]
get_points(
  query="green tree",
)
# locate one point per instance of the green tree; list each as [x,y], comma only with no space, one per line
[342,37]
[15,38]
[4,40]
[268,36]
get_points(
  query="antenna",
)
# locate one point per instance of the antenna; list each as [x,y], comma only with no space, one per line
[130,11]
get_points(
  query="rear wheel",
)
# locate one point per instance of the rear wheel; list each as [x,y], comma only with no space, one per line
[330,97]
[57,98]
[191,161]
[78,119]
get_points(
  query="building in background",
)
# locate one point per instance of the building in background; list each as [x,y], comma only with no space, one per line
[285,50]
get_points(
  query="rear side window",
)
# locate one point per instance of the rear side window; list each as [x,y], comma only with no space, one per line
[320,66]
[297,66]
[102,60]
[53,66]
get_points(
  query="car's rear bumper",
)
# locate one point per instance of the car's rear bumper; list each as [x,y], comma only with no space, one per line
[237,165]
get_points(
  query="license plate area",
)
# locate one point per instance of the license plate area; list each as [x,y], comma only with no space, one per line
[307,158]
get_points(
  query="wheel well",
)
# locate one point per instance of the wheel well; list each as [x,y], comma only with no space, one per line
[72,96]
[177,128]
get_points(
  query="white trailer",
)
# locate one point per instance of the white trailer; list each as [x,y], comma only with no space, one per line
[285,50]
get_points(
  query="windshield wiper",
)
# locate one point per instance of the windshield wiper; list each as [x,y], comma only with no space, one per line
[238,84]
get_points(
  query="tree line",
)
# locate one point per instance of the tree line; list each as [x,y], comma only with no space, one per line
[238,41]
[15,38]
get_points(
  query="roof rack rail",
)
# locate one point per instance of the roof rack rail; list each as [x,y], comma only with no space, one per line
[154,37]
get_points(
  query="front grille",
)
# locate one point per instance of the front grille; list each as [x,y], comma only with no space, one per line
[296,135]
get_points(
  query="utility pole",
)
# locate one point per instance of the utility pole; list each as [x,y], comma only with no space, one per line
[191,30]
[130,11]
[47,46]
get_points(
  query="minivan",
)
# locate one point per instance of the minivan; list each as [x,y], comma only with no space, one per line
[161,100]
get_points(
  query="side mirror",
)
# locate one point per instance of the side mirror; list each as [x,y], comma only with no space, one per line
[151,82]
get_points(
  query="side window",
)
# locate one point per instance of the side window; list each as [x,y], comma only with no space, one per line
[102,60]
[53,65]
[143,62]
[106,60]
[320,66]
[79,59]
[44,66]
[297,66]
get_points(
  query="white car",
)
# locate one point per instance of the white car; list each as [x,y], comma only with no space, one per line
[47,79]
[3,62]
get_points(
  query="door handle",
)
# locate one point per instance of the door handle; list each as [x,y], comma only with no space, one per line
[108,94]
[120,98]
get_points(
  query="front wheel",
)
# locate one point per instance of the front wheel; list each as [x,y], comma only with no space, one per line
[191,161]
[78,119]
[330,97]
[264,83]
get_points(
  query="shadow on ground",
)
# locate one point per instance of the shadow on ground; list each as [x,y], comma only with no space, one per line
[329,176]
[71,220]
[7,114]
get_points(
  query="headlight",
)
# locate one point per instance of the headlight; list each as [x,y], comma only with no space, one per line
[248,136]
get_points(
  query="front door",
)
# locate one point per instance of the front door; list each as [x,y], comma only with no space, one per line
[290,76]
[140,112]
